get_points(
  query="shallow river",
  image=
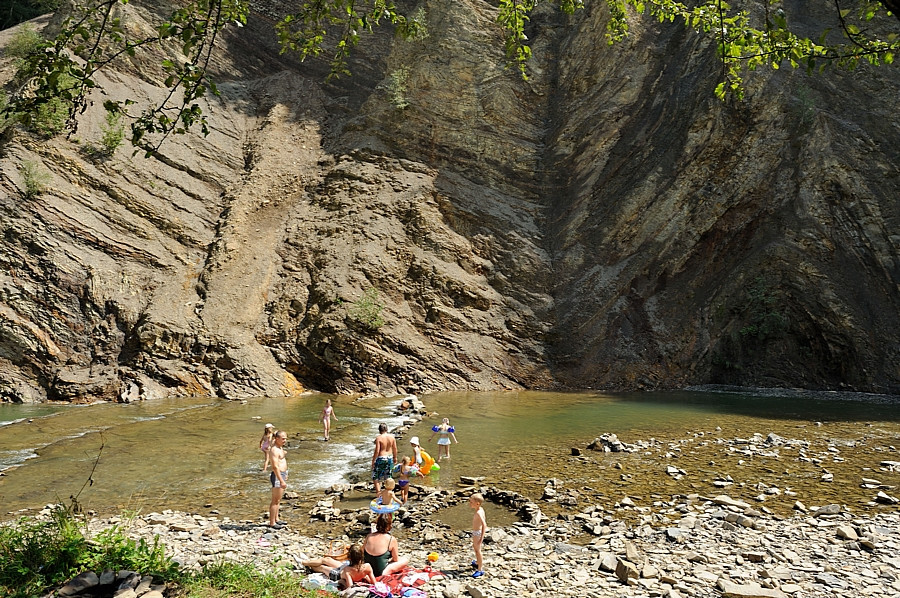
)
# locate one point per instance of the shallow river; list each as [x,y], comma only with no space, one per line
[200,455]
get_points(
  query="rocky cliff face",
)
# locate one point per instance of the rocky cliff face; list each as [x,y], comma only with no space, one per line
[606,224]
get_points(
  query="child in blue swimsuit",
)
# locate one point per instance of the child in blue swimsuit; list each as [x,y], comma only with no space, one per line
[406,469]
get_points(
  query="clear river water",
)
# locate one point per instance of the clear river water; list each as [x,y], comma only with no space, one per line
[200,455]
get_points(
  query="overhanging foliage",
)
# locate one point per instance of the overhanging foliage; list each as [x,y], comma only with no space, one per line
[747,35]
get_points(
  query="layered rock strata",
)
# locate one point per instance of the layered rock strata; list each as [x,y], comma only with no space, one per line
[434,222]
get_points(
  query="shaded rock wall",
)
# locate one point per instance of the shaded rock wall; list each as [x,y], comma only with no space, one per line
[606,224]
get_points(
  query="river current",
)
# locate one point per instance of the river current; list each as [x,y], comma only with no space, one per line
[201,455]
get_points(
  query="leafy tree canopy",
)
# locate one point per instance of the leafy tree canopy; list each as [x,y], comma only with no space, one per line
[747,35]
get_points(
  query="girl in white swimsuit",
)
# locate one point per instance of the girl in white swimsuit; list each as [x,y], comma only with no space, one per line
[446,432]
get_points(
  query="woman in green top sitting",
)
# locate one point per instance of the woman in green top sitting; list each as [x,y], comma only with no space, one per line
[380,548]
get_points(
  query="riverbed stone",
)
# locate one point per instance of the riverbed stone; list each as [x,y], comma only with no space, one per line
[832,509]
[80,583]
[734,590]
[727,501]
[626,571]
[886,499]
[846,532]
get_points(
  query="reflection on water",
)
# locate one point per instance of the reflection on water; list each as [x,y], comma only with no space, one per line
[186,454]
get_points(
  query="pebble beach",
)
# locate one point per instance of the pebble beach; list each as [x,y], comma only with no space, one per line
[689,546]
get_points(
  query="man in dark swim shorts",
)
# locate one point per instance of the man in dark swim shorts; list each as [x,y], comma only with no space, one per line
[274,479]
[384,456]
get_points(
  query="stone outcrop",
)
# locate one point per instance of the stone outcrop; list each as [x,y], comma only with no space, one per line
[605,224]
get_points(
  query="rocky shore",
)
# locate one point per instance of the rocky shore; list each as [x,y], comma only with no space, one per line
[691,545]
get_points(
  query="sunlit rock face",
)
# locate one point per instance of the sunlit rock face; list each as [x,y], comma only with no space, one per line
[434,222]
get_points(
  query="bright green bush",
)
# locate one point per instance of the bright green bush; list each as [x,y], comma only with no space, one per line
[36,179]
[112,549]
[37,555]
[23,43]
[113,133]
[367,311]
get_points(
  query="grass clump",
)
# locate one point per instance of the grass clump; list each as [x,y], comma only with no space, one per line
[112,133]
[50,117]
[240,580]
[6,120]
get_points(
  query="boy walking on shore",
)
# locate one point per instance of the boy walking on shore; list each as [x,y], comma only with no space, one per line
[479,528]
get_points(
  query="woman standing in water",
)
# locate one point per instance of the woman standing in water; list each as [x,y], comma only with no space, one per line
[327,414]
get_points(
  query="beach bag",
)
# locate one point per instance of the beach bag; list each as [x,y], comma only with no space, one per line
[380,590]
[338,551]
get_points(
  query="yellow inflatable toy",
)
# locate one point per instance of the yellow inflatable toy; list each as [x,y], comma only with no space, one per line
[428,465]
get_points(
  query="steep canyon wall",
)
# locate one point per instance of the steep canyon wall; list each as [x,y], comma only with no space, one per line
[606,224]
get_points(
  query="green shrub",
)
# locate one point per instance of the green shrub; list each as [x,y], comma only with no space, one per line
[111,549]
[113,132]
[49,118]
[37,555]
[36,179]
[396,88]
[367,311]
[26,41]
[5,119]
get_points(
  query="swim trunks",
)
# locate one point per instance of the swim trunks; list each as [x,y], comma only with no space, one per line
[383,468]
[476,533]
[274,479]
[403,483]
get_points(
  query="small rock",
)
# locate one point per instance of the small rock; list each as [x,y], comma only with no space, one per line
[827,510]
[734,590]
[886,499]
[80,583]
[626,571]
[847,532]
